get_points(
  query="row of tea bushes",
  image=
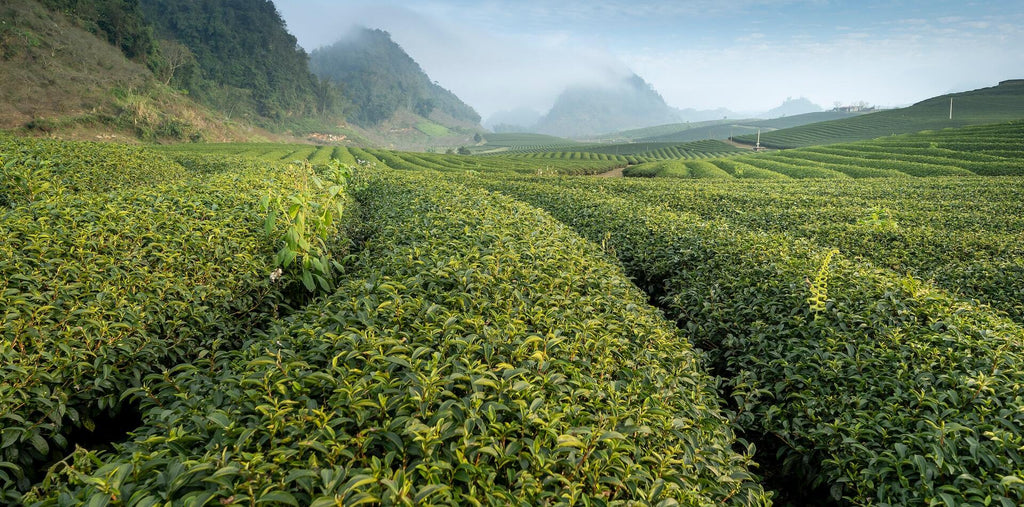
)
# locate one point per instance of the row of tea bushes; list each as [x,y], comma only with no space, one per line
[872,386]
[965,235]
[477,352]
[984,150]
[100,289]
[32,168]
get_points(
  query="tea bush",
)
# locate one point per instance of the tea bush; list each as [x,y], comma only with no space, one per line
[874,386]
[102,288]
[34,168]
[476,352]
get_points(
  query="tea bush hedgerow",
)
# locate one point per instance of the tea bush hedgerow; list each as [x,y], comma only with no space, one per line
[475,352]
[885,390]
[100,289]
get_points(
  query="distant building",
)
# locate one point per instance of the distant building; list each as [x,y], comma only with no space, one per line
[854,109]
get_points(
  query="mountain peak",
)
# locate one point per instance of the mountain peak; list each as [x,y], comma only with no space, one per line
[382,80]
[627,103]
[793,107]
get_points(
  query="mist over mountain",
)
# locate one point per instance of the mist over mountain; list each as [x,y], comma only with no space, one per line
[697,115]
[596,109]
[520,119]
[793,107]
[381,79]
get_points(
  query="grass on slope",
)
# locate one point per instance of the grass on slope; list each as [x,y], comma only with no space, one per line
[57,78]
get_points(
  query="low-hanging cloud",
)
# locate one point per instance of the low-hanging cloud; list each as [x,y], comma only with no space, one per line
[491,72]
[745,55]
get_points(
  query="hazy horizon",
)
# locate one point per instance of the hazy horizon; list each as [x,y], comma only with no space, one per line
[744,55]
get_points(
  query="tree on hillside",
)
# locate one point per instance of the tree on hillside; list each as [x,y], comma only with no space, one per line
[241,45]
[174,57]
[424,107]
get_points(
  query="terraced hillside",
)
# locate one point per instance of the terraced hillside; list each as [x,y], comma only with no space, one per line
[668,150]
[1001,103]
[984,150]
[728,129]
[522,142]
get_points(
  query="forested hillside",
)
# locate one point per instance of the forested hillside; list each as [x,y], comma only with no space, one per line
[85,70]
[238,56]
[120,22]
[380,79]
[210,70]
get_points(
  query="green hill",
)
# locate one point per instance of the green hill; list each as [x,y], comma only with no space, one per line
[237,56]
[66,72]
[382,81]
[156,70]
[628,103]
[987,105]
[725,129]
[719,129]
[978,150]
[707,148]
[803,119]
[657,131]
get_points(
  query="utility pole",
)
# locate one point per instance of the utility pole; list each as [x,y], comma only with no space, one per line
[951,108]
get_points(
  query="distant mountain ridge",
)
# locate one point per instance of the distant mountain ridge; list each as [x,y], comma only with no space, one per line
[792,107]
[381,80]
[628,104]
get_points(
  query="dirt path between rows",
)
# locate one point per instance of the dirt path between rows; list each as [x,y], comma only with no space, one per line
[614,173]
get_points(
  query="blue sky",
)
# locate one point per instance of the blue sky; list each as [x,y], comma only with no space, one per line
[745,55]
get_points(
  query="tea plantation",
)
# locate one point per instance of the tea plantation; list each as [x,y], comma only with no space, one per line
[304,325]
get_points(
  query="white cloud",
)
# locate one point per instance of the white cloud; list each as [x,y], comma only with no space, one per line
[491,72]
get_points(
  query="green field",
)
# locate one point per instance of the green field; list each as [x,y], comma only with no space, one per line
[717,129]
[678,132]
[519,142]
[247,323]
[984,150]
[668,150]
[987,105]
[433,129]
